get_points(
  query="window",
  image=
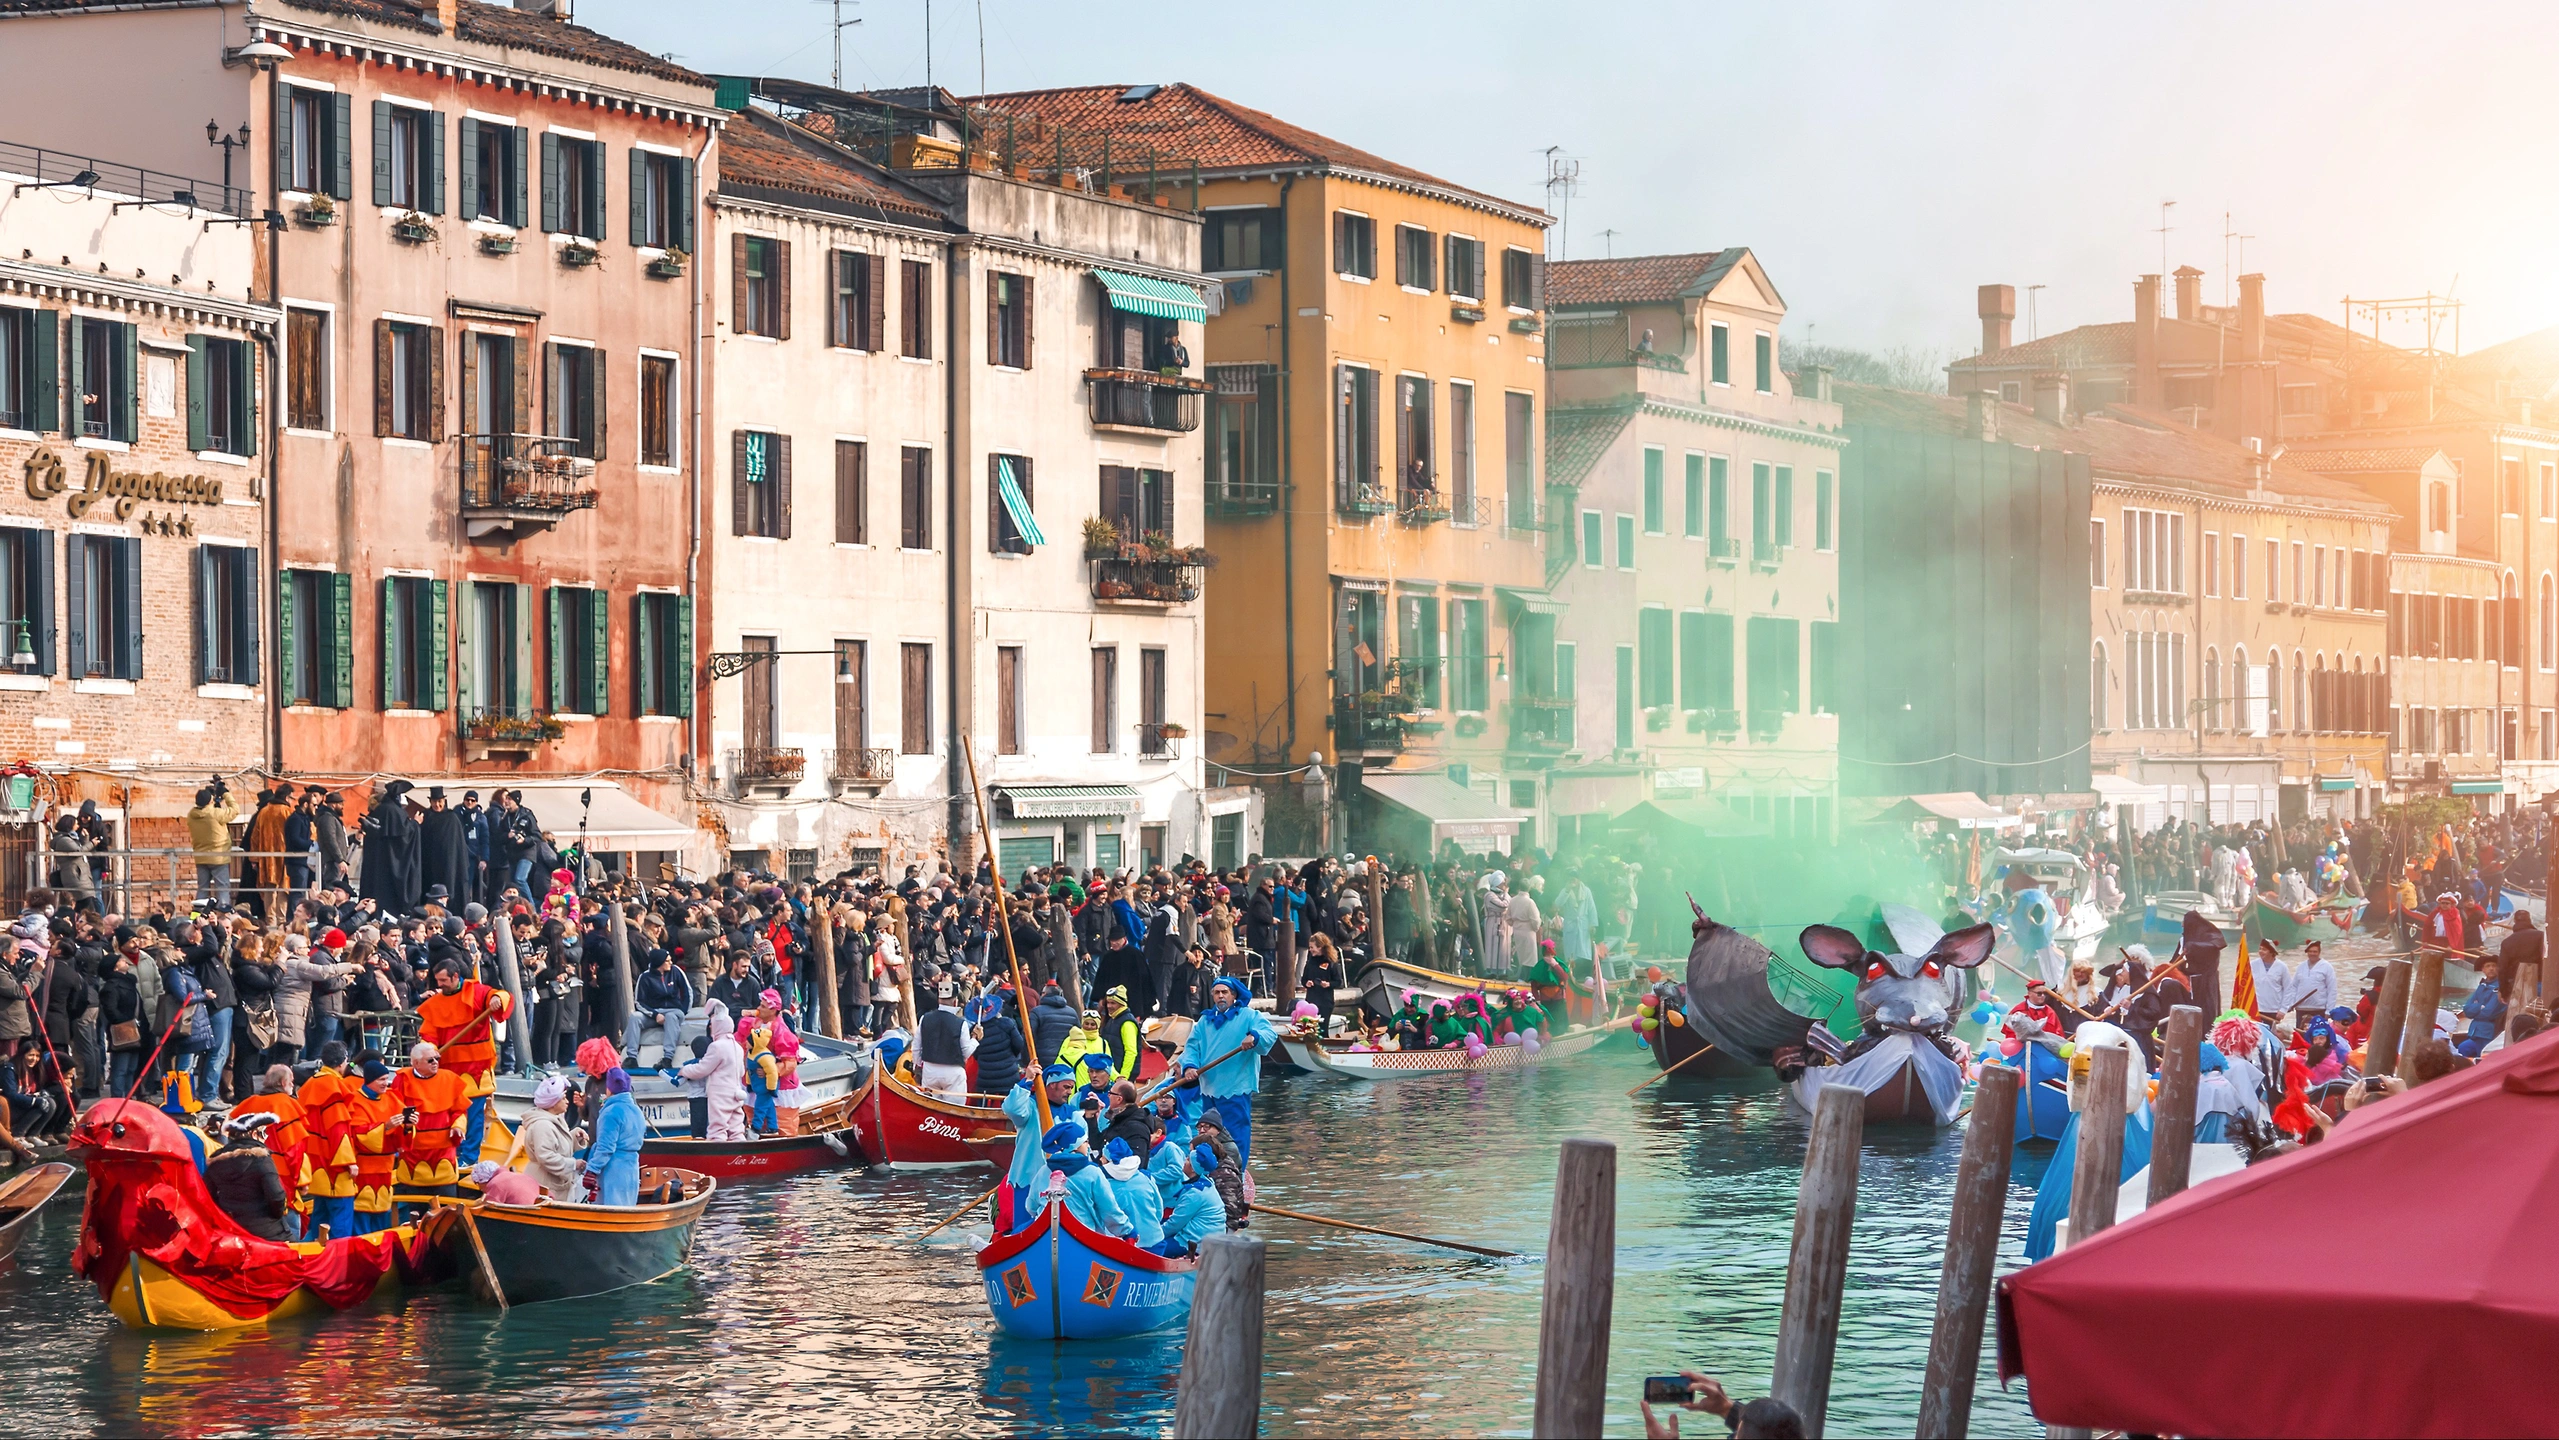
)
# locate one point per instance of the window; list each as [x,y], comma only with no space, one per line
[2097,686]
[306,369]
[2238,567]
[2510,486]
[1693,498]
[1011,528]
[2549,490]
[408,380]
[413,643]
[1593,540]
[311,147]
[915,308]
[1705,661]
[1764,354]
[852,493]
[853,704]
[492,172]
[1461,452]
[1776,671]
[659,405]
[103,400]
[661,200]
[1519,460]
[1763,514]
[1106,698]
[26,591]
[1415,268]
[1719,513]
[2298,399]
[1784,520]
[1823,636]
[760,299]
[760,485]
[915,683]
[1354,246]
[2097,554]
[855,300]
[1416,479]
[1719,354]
[581,651]
[408,158]
[1008,699]
[915,503]
[2318,574]
[573,186]
[2214,717]
[2212,563]
[1654,662]
[1243,437]
[30,373]
[1625,697]
[1653,507]
[315,638]
[1137,502]
[1823,538]
[222,413]
[1150,703]
[1008,319]
[1417,645]
[1523,274]
[226,615]
[1234,240]
[2012,392]
[1355,437]
[573,395]
[1625,542]
[1470,680]
[2296,572]
[2154,552]
[1465,268]
[759,698]
[495,649]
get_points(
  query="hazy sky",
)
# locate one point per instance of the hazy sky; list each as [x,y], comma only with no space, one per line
[1882,160]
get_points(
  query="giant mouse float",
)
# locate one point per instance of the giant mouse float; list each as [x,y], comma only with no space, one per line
[1906,1061]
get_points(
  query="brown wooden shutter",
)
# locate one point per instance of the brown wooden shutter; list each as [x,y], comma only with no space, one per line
[994,319]
[601,399]
[915,710]
[782,289]
[382,340]
[1022,294]
[994,504]
[738,499]
[472,420]
[435,384]
[782,486]
[741,321]
[523,384]
[877,337]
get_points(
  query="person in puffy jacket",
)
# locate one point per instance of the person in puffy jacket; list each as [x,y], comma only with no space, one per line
[243,1179]
[1052,1019]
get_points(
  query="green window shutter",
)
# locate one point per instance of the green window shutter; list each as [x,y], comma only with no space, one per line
[75,374]
[128,417]
[683,676]
[42,614]
[251,390]
[682,224]
[550,182]
[206,610]
[284,597]
[244,596]
[381,152]
[467,136]
[595,189]
[75,632]
[520,675]
[130,582]
[389,593]
[199,414]
[342,145]
[643,651]
[439,668]
[46,365]
[515,186]
[433,180]
[555,695]
[639,196]
[599,610]
[341,678]
[466,652]
[280,128]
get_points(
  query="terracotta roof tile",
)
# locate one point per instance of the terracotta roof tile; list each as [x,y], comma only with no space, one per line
[1577,436]
[762,152]
[1634,280]
[2363,460]
[2085,345]
[1183,124]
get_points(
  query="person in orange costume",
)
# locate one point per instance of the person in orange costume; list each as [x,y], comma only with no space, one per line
[460,1020]
[286,1139]
[373,1128]
[433,1106]
[328,1157]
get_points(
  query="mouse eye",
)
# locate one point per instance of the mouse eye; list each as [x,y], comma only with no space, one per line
[1932,969]
[1875,970]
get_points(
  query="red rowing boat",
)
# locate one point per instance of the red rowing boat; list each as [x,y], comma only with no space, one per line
[841,1132]
[910,1130]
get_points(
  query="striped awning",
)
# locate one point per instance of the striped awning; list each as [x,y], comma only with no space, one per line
[1140,295]
[1015,503]
[1067,802]
[2478,787]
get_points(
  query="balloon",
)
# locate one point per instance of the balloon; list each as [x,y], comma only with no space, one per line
[1676,1019]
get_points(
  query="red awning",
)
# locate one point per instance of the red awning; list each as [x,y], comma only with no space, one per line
[2358,1287]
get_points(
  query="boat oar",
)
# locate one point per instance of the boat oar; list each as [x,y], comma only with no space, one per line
[1664,1073]
[946,1220]
[1390,1234]
[488,1272]
[1166,1080]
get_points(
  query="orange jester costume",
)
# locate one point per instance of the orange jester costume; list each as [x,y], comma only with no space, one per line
[462,1027]
[328,1157]
[429,1141]
[373,1128]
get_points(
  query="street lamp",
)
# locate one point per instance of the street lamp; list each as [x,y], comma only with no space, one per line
[22,649]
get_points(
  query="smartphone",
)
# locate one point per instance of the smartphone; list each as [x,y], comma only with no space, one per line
[1669,1390]
[2373,1084]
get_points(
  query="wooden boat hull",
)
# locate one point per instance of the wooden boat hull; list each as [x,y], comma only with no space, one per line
[1056,1280]
[551,1251]
[845,1121]
[1407,1064]
[1905,1079]
[1398,977]
[2325,922]
[829,1070]
[1676,1047]
[23,1196]
[911,1130]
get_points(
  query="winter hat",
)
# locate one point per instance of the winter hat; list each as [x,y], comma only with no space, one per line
[617,1081]
[1055,1073]
[1097,1061]
[550,1093]
[335,939]
[1204,1159]
[1063,1138]
[484,1172]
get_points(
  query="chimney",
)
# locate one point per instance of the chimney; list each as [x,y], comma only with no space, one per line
[2052,398]
[1981,416]
[2190,293]
[1813,383]
[2252,317]
[2146,341]
[556,9]
[439,13]
[1998,307]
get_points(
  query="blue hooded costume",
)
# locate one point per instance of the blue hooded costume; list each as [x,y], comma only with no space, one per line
[1089,1196]
[1136,1194]
[2052,1197]
[614,1158]
[1197,1212]
[1027,1177]
[1227,1082]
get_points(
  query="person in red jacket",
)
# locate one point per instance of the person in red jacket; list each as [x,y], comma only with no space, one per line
[2038,1007]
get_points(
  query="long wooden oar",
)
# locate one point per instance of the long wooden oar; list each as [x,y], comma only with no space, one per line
[1665,1070]
[956,1214]
[480,1251]
[1390,1234]
[1166,1080]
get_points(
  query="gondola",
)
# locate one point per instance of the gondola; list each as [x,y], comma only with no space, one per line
[1453,1060]
[911,1130]
[841,1132]
[22,1197]
[2319,920]
[829,1068]
[528,1254]
[1675,1044]
[1056,1280]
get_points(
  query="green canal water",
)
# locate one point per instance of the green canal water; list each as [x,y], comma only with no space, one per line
[809,1310]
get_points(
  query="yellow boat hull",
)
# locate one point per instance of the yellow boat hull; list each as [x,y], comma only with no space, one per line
[150,1298]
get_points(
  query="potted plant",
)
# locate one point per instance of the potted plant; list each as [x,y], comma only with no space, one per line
[318,210]
[497,243]
[1469,726]
[669,265]
[1657,718]
[1110,590]
[413,228]
[580,253]
[1172,730]
[1101,538]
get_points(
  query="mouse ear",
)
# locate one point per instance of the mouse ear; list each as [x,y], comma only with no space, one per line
[1965,948]
[1830,946]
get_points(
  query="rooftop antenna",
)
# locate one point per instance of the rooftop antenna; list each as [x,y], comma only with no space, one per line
[2164,227]
[1608,244]
[981,47]
[928,49]
[1563,177]
[2229,267]
[836,76]
[2031,331]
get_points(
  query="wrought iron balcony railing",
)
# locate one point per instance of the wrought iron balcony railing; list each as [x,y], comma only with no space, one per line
[1143,400]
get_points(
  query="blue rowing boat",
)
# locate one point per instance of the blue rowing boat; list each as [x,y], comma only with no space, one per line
[1057,1280]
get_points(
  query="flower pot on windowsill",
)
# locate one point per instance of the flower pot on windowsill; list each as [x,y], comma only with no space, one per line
[1657,718]
[497,244]
[1172,730]
[317,211]
[669,266]
[414,229]
[1469,726]
[578,254]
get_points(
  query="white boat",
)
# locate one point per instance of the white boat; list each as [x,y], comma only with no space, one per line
[1405,1064]
[828,1069]
[2078,929]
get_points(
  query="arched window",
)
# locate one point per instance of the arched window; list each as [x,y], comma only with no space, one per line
[2359,716]
[2300,693]
[2097,687]
[2323,702]
[2549,622]
[2243,716]
[2215,718]
[2274,690]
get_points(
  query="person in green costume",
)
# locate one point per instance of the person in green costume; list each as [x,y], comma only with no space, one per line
[1446,1028]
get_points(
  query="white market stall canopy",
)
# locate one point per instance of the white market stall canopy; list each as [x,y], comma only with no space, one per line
[616,815]
[2116,790]
[1454,812]
[1963,807]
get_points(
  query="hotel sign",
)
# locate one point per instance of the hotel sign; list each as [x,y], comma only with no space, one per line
[120,492]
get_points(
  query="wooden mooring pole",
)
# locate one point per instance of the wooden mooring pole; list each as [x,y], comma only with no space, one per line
[1972,1253]
[1221,1386]
[2389,1014]
[1817,1265]
[2425,993]
[2172,1129]
[1581,1290]
[2527,991]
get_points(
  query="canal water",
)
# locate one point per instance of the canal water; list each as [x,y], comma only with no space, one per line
[810,1309]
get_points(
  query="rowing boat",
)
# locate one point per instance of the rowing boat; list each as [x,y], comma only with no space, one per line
[911,1130]
[2319,920]
[22,1197]
[557,1251]
[830,1134]
[1384,982]
[1453,1060]
[1056,1280]
[829,1068]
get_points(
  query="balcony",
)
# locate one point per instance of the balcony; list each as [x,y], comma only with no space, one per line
[502,732]
[766,767]
[1149,575]
[1161,740]
[1361,726]
[517,485]
[1541,724]
[1144,401]
[1241,499]
[1422,504]
[1473,512]
[1363,498]
[1724,550]
[1763,554]
[860,768]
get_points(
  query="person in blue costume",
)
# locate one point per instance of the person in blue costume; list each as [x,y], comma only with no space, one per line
[1135,1190]
[179,1105]
[1198,1213]
[2486,1012]
[1099,1077]
[2052,1197]
[1164,1166]
[2216,1099]
[614,1158]
[1017,1199]
[1227,1081]
[1179,1109]
[1088,1193]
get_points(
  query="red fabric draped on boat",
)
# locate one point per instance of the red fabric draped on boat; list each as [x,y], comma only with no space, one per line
[2415,1236]
[147,1198]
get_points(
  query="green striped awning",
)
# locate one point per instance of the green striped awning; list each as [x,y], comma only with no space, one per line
[2336,782]
[1068,802]
[2478,787]
[1163,299]
[1015,503]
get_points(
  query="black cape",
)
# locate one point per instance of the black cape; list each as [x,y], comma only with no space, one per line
[391,877]
[444,855]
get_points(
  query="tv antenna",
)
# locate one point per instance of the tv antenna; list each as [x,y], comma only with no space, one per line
[2229,268]
[1563,177]
[2164,227]
[1608,244]
[836,36]
[2031,331]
